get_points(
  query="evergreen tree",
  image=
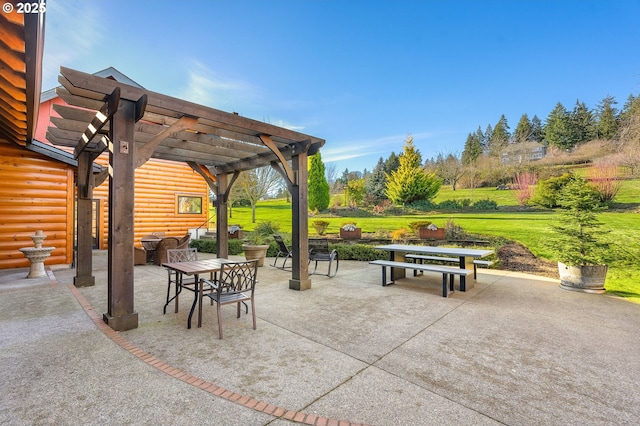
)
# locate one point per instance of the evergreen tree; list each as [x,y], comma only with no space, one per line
[376,183]
[581,124]
[556,130]
[537,130]
[630,108]
[500,137]
[607,118]
[409,182]
[486,138]
[392,163]
[318,187]
[472,149]
[524,129]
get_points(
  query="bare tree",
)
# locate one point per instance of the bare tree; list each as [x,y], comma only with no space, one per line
[449,167]
[331,173]
[256,184]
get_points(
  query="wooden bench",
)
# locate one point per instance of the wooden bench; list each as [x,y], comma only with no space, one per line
[446,271]
[422,258]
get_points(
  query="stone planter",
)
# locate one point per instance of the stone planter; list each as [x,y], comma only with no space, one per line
[356,234]
[255,252]
[588,279]
[431,234]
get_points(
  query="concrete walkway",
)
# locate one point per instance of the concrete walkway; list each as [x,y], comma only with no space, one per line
[515,350]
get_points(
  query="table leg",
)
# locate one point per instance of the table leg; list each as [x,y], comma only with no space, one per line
[466,262]
[195,301]
[199,290]
[397,273]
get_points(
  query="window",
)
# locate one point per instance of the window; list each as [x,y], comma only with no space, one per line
[189,204]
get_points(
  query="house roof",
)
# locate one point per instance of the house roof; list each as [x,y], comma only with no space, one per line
[173,129]
[21,46]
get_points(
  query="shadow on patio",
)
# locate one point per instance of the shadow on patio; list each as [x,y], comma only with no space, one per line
[515,349]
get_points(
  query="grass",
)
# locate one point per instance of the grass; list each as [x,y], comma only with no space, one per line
[528,228]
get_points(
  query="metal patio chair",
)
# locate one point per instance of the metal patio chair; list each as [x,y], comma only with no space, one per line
[319,252]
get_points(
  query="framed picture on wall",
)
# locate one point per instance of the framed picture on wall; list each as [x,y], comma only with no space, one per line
[189,204]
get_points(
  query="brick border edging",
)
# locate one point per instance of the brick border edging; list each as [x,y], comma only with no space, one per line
[176,373]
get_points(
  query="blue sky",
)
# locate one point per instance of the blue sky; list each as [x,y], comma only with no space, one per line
[360,74]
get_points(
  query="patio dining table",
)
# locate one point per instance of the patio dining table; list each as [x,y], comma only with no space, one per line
[466,257]
[195,268]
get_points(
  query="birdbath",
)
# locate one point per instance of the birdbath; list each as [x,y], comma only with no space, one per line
[37,255]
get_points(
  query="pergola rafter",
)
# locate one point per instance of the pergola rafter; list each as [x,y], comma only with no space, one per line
[216,144]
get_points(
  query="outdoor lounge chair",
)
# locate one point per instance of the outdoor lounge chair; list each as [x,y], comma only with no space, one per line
[236,282]
[283,251]
[319,252]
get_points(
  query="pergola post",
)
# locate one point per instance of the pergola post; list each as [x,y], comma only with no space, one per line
[300,224]
[222,225]
[120,311]
[84,254]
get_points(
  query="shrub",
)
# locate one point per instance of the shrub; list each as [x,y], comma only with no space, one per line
[547,191]
[416,225]
[422,205]
[361,252]
[399,234]
[320,226]
[209,246]
[449,205]
[485,205]
[453,232]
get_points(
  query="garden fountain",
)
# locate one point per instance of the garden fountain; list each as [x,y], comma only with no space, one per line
[37,255]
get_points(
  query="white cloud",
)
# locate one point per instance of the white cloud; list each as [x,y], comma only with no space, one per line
[206,88]
[73,33]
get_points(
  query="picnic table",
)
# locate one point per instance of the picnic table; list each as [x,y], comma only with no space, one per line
[466,257]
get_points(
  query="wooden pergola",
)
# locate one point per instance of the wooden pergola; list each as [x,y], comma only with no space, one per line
[135,125]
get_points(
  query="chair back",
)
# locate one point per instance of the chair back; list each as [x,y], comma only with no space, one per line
[238,277]
[182,255]
[160,255]
[318,248]
[281,245]
[184,241]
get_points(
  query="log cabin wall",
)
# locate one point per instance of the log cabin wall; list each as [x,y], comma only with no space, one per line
[35,193]
[158,184]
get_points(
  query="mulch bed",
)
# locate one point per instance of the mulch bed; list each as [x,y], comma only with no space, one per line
[516,257]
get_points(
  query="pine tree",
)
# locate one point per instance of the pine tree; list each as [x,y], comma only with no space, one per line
[376,183]
[472,149]
[524,129]
[556,130]
[318,187]
[537,130]
[410,182]
[581,124]
[500,137]
[607,118]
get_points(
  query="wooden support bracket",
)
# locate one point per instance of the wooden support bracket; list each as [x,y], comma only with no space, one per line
[145,152]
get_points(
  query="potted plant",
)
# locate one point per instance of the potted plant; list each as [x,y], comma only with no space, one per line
[258,241]
[578,242]
[349,231]
[424,229]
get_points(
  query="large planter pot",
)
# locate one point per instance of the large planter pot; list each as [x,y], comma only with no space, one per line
[588,279]
[431,234]
[356,234]
[255,252]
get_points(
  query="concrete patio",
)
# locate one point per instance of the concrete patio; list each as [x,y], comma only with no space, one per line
[514,350]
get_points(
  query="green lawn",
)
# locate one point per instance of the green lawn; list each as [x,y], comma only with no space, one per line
[528,228]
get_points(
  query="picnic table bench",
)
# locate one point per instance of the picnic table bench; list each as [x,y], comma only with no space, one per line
[446,271]
[420,258]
